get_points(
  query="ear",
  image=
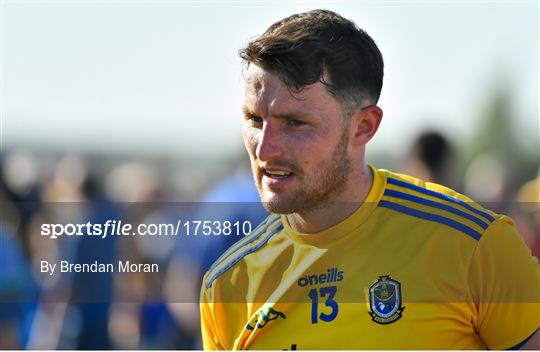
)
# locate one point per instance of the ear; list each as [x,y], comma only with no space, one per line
[364,124]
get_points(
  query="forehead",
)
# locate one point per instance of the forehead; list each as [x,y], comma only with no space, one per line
[265,91]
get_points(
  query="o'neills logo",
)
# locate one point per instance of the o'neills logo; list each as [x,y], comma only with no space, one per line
[332,275]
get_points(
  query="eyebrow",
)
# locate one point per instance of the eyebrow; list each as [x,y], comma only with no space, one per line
[289,116]
[284,116]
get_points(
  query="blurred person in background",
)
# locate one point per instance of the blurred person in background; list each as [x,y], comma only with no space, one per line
[18,293]
[142,316]
[238,191]
[432,159]
[20,181]
[18,289]
[528,213]
[72,309]
[93,292]
[233,198]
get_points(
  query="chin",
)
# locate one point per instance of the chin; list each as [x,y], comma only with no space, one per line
[280,206]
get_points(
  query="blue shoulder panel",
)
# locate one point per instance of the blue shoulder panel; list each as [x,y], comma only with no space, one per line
[243,253]
[442,196]
[431,217]
[434,204]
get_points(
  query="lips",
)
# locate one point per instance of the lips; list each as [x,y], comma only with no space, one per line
[276,177]
[277,174]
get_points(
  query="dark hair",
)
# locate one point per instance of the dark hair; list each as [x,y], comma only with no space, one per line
[320,46]
[434,150]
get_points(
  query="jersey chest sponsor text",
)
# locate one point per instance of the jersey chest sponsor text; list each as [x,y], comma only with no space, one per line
[332,275]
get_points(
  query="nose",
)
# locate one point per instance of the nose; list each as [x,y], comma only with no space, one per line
[270,144]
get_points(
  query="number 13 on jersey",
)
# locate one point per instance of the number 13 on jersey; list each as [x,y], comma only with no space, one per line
[326,295]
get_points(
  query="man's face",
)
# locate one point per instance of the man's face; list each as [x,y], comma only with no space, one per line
[298,145]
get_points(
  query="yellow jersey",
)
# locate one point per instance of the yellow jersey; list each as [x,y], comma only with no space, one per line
[417,266]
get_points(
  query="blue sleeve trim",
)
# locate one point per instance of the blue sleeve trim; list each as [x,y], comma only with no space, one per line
[519,345]
[247,240]
[243,254]
[484,214]
[433,204]
[431,217]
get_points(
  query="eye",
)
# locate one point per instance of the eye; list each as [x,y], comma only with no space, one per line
[254,119]
[295,123]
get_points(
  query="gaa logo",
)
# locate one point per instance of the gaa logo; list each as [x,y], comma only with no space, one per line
[385,300]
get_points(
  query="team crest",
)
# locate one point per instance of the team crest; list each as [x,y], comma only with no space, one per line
[385,300]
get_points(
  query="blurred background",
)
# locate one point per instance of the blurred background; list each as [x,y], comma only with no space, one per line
[107,104]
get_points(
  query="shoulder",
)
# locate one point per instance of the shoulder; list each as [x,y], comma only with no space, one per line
[252,243]
[430,202]
[498,271]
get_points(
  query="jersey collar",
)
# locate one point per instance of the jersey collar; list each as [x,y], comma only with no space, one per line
[347,226]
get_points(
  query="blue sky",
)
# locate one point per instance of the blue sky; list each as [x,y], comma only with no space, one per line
[164,77]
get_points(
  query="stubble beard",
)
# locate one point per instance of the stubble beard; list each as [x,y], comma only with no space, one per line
[330,180]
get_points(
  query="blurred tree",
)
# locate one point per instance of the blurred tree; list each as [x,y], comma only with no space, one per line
[497,136]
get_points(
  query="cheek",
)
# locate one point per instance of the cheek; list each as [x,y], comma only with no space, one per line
[250,139]
[314,151]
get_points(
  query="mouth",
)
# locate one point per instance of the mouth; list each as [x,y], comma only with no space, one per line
[276,177]
[277,174]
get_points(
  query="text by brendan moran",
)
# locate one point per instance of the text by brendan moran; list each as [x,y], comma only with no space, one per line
[122,266]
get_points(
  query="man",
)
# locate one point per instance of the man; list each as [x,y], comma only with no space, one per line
[354,257]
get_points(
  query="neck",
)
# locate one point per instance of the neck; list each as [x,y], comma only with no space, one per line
[336,210]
